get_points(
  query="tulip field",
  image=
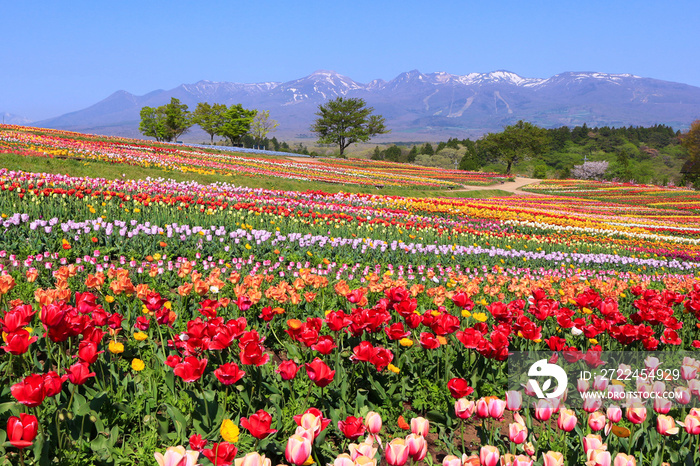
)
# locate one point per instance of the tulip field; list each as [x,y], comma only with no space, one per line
[175,323]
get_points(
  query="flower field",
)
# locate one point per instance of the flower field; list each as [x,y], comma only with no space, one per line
[35,142]
[175,323]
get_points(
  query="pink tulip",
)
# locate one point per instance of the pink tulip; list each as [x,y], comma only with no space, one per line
[691,424]
[662,405]
[592,442]
[553,458]
[482,408]
[544,410]
[614,413]
[591,405]
[364,461]
[496,407]
[373,422]
[598,458]
[298,449]
[666,425]
[624,460]
[253,459]
[522,460]
[343,460]
[420,426]
[616,392]
[396,452]
[600,383]
[514,400]
[489,455]
[417,447]
[365,448]
[688,372]
[652,363]
[567,420]
[682,395]
[517,433]
[451,460]
[583,385]
[694,386]
[636,413]
[596,421]
[177,456]
[464,408]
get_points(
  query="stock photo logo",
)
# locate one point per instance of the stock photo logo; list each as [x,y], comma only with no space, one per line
[542,369]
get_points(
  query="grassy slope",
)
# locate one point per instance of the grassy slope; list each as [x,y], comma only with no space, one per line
[111,171]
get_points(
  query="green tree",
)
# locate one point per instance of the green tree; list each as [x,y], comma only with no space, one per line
[177,119]
[377,154]
[344,121]
[153,123]
[691,141]
[209,117]
[516,143]
[427,149]
[262,124]
[412,154]
[393,153]
[236,123]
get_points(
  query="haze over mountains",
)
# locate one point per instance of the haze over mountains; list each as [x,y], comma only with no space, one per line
[417,106]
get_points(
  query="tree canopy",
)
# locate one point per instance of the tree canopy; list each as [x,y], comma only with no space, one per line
[236,122]
[515,143]
[167,122]
[153,123]
[344,121]
[262,124]
[209,117]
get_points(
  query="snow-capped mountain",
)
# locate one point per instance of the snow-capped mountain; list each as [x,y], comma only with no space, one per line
[417,106]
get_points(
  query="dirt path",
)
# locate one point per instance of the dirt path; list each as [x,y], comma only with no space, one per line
[305,159]
[508,186]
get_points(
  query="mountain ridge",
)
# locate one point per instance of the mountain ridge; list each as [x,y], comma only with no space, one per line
[431,106]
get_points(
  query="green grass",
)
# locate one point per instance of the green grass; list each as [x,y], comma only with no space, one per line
[98,169]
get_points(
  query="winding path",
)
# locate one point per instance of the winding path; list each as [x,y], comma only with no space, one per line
[508,186]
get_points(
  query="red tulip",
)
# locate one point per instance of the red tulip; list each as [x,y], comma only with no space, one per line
[221,454]
[78,373]
[352,427]
[324,345]
[197,443]
[87,352]
[252,353]
[319,372]
[258,424]
[428,340]
[363,352]
[30,391]
[52,314]
[22,430]
[18,342]
[229,373]
[53,384]
[287,369]
[190,369]
[459,388]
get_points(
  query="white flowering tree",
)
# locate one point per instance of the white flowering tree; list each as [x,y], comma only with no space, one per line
[590,170]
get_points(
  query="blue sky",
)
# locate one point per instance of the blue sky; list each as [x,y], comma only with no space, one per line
[59,57]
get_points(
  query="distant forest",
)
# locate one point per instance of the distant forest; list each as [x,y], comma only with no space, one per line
[640,154]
